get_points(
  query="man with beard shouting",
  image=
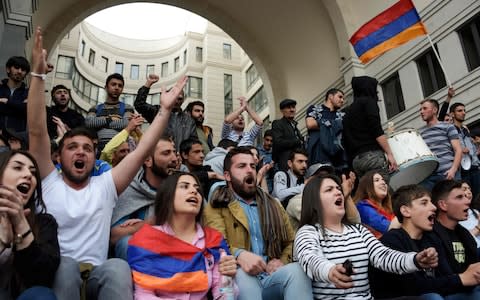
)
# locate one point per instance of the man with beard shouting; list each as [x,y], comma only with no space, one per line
[258,231]
[60,98]
[135,204]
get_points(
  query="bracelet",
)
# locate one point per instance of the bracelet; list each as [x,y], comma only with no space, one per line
[41,76]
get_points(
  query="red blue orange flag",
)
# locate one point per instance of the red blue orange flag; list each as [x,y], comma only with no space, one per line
[393,27]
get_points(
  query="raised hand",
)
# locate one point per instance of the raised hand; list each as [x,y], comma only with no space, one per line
[11,205]
[152,78]
[169,98]
[39,55]
[347,184]
[61,127]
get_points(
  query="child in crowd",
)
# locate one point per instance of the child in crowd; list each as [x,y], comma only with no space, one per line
[415,210]
[336,254]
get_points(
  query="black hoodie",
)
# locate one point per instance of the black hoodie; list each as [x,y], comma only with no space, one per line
[361,124]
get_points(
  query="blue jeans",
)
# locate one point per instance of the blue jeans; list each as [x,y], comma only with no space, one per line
[473,295]
[37,293]
[110,280]
[288,282]
[431,180]
[121,247]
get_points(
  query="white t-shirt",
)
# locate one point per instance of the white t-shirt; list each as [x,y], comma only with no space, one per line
[83,216]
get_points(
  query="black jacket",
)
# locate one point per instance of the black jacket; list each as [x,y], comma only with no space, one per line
[286,137]
[361,123]
[442,279]
[71,118]
[36,264]
[180,125]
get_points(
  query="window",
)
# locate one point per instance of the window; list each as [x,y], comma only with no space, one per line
[185,57]
[227,93]
[227,51]
[82,48]
[91,57]
[165,69]
[176,64]
[134,71]
[431,75]
[199,54]
[103,66]
[251,75]
[470,39]
[194,87]
[64,67]
[259,100]
[150,70]
[392,96]
[119,67]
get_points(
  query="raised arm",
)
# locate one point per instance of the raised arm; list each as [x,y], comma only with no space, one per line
[234,114]
[255,117]
[124,172]
[147,110]
[36,114]
[444,108]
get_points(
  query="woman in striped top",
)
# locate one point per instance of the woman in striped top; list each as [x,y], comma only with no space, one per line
[326,240]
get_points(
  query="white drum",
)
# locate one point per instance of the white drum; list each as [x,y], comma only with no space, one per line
[414,159]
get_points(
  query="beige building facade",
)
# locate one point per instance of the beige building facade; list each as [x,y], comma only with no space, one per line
[299,49]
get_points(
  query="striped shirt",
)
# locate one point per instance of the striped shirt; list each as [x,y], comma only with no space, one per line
[317,254]
[437,138]
[248,137]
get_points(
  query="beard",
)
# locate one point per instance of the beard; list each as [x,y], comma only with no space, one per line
[243,189]
[61,105]
[198,121]
[160,171]
[78,179]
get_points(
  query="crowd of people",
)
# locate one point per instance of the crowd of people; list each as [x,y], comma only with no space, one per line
[97,208]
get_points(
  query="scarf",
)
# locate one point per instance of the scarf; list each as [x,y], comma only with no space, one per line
[160,261]
[274,231]
[388,215]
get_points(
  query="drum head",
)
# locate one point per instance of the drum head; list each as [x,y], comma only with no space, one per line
[466,162]
[413,173]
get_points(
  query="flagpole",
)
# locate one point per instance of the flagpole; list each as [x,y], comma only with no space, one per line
[439,61]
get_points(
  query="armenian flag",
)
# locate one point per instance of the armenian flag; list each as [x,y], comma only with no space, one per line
[393,27]
[163,262]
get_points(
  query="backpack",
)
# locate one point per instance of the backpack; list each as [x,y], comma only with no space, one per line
[289,184]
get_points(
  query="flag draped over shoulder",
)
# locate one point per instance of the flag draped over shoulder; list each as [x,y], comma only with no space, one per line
[393,27]
[163,262]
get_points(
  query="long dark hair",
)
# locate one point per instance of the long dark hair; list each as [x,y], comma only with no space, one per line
[166,197]
[35,204]
[366,190]
[312,209]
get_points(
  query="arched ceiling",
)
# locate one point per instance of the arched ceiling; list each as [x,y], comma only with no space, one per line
[297,46]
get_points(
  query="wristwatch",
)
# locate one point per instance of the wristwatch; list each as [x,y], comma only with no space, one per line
[19,237]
